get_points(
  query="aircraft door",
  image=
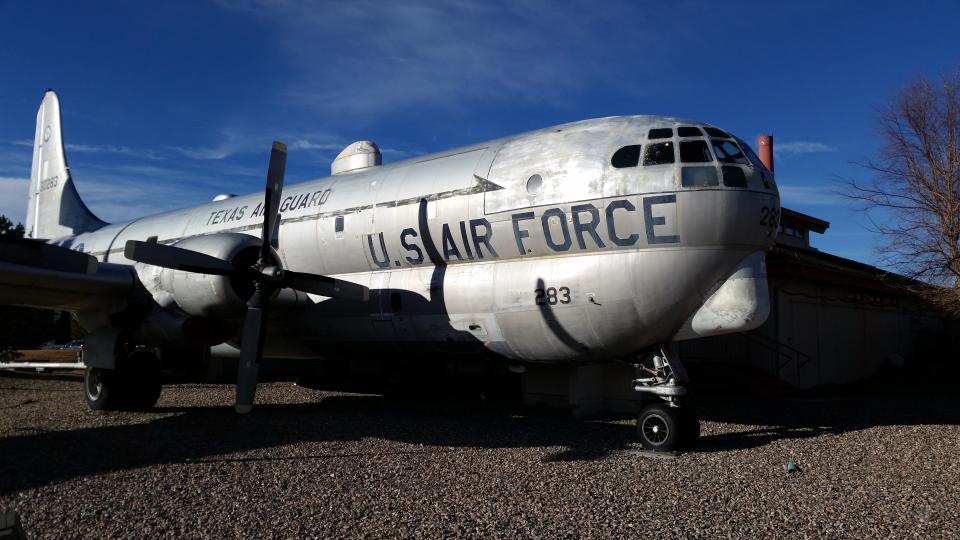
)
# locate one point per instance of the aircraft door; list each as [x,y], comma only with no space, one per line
[381,315]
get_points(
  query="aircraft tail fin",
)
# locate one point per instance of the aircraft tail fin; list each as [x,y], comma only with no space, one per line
[55,208]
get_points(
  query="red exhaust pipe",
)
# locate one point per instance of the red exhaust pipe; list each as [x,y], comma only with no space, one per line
[765,147]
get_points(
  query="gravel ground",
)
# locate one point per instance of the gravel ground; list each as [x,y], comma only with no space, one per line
[321,464]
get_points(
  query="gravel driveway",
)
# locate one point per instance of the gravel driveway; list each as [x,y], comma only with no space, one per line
[321,464]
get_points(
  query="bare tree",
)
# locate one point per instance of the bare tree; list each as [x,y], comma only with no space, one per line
[913,199]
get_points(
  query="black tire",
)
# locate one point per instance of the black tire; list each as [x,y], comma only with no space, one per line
[144,380]
[659,427]
[135,384]
[100,390]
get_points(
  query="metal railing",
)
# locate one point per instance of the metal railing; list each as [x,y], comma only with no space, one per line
[785,353]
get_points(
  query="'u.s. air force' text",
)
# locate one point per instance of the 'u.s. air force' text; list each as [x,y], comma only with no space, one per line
[473,239]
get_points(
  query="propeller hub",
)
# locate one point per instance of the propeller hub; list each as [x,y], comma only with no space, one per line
[273,273]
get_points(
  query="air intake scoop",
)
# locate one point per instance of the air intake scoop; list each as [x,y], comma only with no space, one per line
[357,156]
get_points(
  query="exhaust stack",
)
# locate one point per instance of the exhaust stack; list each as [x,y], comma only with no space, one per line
[765,147]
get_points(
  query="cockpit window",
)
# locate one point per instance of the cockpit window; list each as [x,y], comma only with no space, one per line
[660,133]
[695,152]
[659,154]
[734,176]
[698,176]
[628,156]
[729,152]
[689,131]
[714,132]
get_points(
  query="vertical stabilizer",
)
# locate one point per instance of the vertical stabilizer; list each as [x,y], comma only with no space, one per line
[55,209]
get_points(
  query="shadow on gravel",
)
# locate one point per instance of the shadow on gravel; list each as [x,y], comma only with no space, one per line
[804,417]
[205,434]
[443,424]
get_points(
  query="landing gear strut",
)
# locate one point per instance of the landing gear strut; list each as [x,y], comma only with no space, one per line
[667,424]
[134,384]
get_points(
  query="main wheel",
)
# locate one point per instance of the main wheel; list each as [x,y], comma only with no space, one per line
[145,380]
[659,427]
[135,384]
[100,391]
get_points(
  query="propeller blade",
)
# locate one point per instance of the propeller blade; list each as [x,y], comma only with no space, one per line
[325,286]
[176,258]
[271,199]
[251,351]
[39,254]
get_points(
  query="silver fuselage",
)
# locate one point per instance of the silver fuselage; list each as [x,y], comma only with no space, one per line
[463,248]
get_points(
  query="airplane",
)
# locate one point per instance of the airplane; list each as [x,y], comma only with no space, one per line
[594,241]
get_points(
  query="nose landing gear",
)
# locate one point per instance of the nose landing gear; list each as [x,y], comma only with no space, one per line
[666,425]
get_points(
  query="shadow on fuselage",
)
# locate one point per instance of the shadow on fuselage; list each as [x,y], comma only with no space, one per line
[391,310]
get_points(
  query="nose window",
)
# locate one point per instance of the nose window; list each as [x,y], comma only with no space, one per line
[695,152]
[734,176]
[628,156]
[728,152]
[659,154]
[714,132]
[699,177]
[660,133]
[689,131]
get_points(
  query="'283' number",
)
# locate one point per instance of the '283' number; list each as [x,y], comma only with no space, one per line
[769,218]
[551,296]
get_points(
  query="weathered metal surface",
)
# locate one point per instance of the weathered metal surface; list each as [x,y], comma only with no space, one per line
[588,262]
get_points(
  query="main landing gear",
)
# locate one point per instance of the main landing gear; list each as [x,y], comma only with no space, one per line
[666,425]
[134,384]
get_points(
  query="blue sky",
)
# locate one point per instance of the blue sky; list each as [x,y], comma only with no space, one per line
[166,105]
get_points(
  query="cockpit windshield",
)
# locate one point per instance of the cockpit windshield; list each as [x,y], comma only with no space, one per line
[729,152]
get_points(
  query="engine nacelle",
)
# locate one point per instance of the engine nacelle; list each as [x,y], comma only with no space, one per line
[204,295]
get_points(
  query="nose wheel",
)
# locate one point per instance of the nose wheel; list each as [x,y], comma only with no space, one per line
[666,425]
[663,427]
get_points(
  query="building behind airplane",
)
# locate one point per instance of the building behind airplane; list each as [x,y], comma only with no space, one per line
[595,241]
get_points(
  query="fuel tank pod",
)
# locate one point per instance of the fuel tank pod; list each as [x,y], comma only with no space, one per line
[737,304]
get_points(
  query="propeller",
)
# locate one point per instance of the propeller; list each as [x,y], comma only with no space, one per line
[264,274]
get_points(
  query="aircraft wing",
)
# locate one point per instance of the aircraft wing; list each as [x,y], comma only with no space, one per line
[36,274]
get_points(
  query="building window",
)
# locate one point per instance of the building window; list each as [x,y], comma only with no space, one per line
[628,156]
[659,154]
[794,232]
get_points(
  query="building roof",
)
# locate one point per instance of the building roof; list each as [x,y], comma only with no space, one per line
[807,222]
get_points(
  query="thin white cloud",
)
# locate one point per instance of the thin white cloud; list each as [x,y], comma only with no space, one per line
[814,195]
[304,144]
[786,149]
[238,141]
[111,149]
[364,57]
[142,153]
[116,197]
